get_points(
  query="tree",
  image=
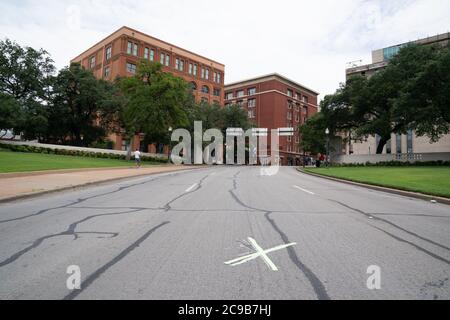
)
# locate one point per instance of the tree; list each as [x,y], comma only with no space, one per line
[10,114]
[313,134]
[411,93]
[424,104]
[25,81]
[83,109]
[155,101]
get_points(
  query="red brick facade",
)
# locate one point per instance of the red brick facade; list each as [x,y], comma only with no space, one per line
[119,54]
[273,102]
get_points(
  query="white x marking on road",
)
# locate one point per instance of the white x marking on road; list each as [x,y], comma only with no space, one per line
[260,252]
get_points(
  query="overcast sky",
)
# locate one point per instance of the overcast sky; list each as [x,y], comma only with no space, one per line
[309,41]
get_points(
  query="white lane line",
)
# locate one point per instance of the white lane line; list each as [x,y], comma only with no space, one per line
[304,190]
[192,187]
[259,253]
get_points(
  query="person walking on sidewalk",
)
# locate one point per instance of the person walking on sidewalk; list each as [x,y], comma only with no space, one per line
[137,158]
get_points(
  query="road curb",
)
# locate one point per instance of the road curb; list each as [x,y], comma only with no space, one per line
[84,185]
[404,193]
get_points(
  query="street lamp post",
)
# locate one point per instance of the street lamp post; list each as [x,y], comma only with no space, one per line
[170,142]
[327,132]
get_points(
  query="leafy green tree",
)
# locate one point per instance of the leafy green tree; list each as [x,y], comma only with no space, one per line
[10,113]
[424,103]
[313,139]
[155,101]
[25,82]
[83,109]
[411,93]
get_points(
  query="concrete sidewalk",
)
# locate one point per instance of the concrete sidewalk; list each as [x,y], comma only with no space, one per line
[21,185]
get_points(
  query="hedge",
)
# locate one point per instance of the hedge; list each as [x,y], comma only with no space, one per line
[76,153]
[395,164]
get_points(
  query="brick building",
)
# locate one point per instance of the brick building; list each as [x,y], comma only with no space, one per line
[119,54]
[274,101]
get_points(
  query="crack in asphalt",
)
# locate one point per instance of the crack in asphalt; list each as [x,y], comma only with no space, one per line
[81,200]
[167,207]
[96,274]
[317,285]
[71,231]
[72,227]
[368,215]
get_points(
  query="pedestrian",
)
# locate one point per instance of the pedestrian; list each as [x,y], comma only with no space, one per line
[137,158]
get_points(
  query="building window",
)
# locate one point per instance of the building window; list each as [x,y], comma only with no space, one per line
[152,55]
[131,68]
[216,92]
[398,143]
[92,62]
[297,107]
[289,115]
[108,53]
[289,138]
[251,103]
[240,93]
[251,91]
[167,60]
[289,105]
[389,53]
[215,77]
[410,146]
[252,114]
[193,86]
[207,74]
[229,96]
[191,68]
[107,72]
[305,99]
[389,147]
[203,73]
[146,53]
[290,93]
[205,89]
[219,77]
[195,70]
[240,103]
[305,110]
[179,64]
[297,117]
[162,58]
[132,48]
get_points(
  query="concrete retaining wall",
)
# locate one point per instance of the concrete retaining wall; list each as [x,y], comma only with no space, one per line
[376,158]
[58,147]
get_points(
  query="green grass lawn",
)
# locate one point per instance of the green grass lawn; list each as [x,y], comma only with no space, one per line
[429,180]
[25,162]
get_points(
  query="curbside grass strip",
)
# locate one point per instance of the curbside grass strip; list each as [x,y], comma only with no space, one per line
[400,192]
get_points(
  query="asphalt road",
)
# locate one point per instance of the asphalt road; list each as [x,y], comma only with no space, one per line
[169,236]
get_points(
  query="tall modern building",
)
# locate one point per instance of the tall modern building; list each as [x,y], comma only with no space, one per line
[399,144]
[272,102]
[118,55]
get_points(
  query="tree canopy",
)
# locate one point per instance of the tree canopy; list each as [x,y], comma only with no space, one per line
[411,93]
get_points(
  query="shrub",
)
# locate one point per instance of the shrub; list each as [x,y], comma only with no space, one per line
[77,153]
